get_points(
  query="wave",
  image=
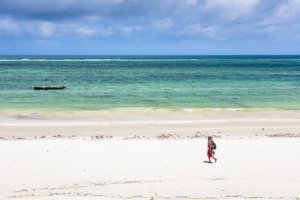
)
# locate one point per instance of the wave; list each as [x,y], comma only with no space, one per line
[54,60]
[96,60]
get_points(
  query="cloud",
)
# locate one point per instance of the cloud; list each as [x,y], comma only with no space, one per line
[288,11]
[55,9]
[178,19]
[68,9]
[163,24]
[8,25]
[46,29]
[191,2]
[230,9]
[196,30]
[129,30]
[284,13]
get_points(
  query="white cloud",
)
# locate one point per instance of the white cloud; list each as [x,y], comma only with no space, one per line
[191,2]
[93,19]
[163,24]
[81,30]
[212,19]
[287,12]
[8,25]
[129,30]
[230,9]
[200,31]
[85,31]
[46,29]
[283,21]
[104,31]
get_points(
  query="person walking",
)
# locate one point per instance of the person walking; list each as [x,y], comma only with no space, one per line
[210,150]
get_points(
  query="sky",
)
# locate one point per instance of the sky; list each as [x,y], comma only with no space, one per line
[149,27]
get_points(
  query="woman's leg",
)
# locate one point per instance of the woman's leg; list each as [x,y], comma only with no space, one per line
[213,156]
[209,159]
[209,156]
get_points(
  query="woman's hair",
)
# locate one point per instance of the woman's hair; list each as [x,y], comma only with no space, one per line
[209,137]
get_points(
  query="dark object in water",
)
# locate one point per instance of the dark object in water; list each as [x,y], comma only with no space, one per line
[50,87]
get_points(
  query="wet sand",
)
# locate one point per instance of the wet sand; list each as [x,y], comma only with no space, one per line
[150,122]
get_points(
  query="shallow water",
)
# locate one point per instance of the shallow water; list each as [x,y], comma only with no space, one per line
[103,82]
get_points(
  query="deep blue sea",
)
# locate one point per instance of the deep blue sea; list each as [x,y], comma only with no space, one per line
[103,82]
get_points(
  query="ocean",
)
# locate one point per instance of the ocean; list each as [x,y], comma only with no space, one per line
[105,82]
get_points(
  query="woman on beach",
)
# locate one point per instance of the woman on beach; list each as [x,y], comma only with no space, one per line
[210,150]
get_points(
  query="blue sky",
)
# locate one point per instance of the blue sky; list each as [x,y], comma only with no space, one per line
[149,27]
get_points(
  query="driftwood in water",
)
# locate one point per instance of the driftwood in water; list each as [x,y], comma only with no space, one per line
[50,87]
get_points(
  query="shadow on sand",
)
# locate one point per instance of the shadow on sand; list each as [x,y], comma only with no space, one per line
[205,161]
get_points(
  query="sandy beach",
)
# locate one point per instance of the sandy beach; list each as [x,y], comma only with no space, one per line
[151,155]
[149,122]
[120,100]
[145,169]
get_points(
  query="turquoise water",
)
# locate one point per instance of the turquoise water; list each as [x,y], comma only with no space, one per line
[101,82]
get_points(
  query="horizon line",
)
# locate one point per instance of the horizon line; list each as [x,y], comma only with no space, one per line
[149,54]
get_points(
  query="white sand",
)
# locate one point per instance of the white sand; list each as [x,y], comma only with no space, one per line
[258,151]
[63,169]
[150,122]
